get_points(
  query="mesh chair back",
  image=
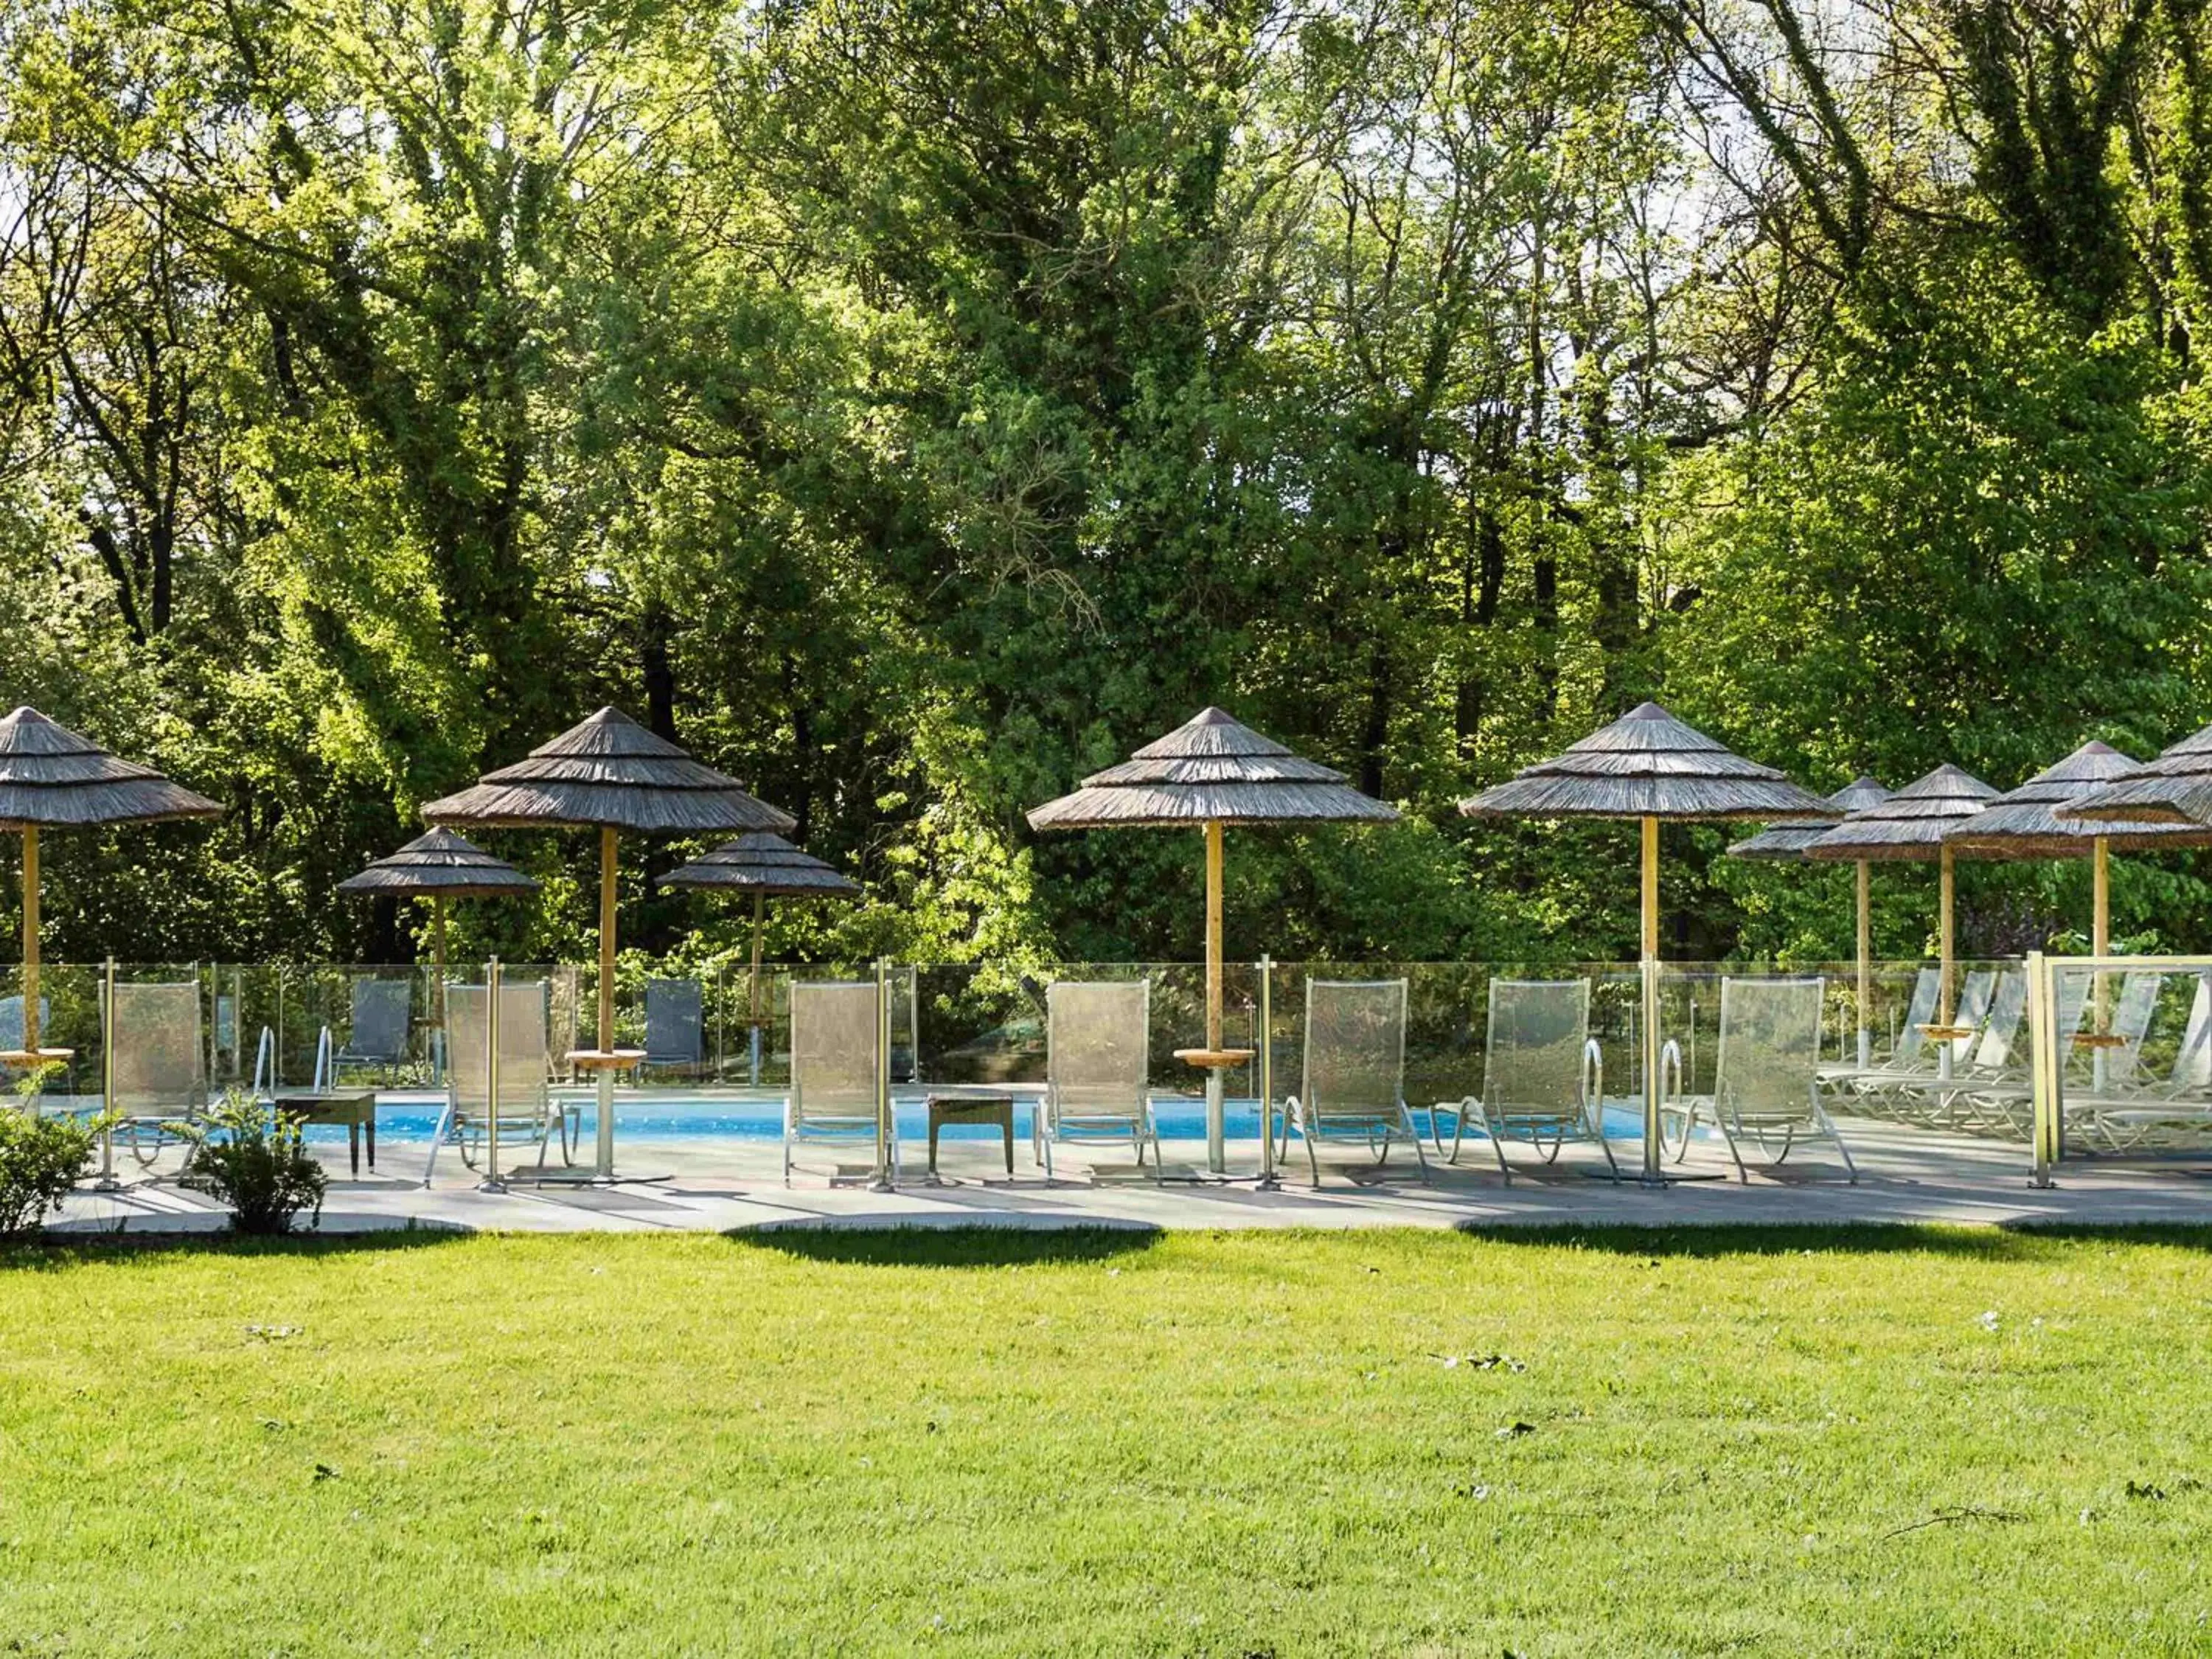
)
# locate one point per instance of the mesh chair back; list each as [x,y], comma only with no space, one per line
[1972,1009]
[1098,1046]
[2130,1022]
[2073,1004]
[1532,1064]
[524,1061]
[1355,1060]
[675,1022]
[1912,1048]
[1769,1049]
[835,1056]
[11,1021]
[2193,1061]
[156,1060]
[1993,1050]
[382,1010]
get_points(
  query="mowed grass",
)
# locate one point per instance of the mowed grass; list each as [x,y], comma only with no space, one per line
[1757,1442]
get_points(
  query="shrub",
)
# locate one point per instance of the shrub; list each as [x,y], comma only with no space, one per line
[255,1160]
[41,1158]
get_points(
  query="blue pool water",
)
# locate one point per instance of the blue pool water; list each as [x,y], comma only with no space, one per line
[414,1117]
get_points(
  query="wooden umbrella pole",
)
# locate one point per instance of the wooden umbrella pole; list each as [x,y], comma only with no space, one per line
[1866,962]
[760,910]
[438,958]
[1649,967]
[1214,934]
[1943,1008]
[606,938]
[31,940]
[2100,922]
[1651,888]
[2101,936]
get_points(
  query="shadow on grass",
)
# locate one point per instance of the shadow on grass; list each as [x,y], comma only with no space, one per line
[2018,1241]
[72,1247]
[869,1242]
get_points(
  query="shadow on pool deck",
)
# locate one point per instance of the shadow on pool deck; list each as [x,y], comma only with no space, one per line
[899,1241]
[2007,1241]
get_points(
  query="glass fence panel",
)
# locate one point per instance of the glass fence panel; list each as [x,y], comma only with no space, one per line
[2134,1054]
[69,1019]
[2132,1074]
[357,1024]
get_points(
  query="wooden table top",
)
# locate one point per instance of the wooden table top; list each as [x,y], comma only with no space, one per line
[605,1060]
[1214,1060]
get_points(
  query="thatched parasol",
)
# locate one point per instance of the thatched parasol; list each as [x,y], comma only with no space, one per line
[1788,842]
[2031,823]
[610,774]
[1910,826]
[1648,765]
[53,779]
[766,866]
[1211,771]
[438,866]
[2175,788]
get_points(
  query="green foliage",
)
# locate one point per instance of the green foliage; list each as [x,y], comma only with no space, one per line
[41,1158]
[254,1159]
[911,407]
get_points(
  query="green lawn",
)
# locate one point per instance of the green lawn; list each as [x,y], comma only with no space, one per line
[1741,1441]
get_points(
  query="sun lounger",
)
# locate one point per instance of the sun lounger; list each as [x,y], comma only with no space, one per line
[157,1065]
[675,1027]
[1766,1090]
[1098,1070]
[1542,1076]
[1354,1093]
[524,1109]
[836,1064]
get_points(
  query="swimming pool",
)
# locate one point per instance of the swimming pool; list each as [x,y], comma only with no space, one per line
[413,1115]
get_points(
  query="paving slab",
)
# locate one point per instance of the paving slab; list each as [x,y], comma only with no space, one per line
[719,1183]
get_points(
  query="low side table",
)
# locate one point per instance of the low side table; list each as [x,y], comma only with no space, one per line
[355,1108]
[970,1109]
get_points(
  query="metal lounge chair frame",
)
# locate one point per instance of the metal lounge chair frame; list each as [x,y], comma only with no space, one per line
[1543,1075]
[157,1065]
[372,1042]
[1353,1089]
[1990,1095]
[2127,1116]
[675,1027]
[1758,1093]
[836,1061]
[526,1111]
[1098,1070]
[1888,1090]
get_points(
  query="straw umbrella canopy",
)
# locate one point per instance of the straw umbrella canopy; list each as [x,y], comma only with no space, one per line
[51,778]
[1910,826]
[766,866]
[2176,788]
[1648,766]
[2031,823]
[439,867]
[1788,841]
[1209,772]
[609,774]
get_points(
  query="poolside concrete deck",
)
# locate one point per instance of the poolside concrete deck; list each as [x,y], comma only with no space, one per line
[1906,1176]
